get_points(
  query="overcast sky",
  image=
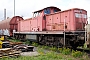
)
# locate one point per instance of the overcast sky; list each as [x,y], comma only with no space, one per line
[26,7]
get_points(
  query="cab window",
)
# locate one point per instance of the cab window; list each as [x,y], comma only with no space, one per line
[47,11]
[55,10]
[77,15]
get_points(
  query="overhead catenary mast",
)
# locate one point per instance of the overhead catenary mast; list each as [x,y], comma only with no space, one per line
[4,14]
[14,15]
[14,7]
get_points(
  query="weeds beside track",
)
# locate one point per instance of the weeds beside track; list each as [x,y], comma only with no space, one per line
[52,53]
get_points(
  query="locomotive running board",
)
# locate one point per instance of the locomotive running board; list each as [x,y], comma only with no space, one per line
[46,32]
[42,32]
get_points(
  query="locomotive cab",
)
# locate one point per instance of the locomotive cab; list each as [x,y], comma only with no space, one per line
[39,18]
[47,10]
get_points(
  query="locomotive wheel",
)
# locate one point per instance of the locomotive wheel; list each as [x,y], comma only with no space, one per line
[74,44]
[16,36]
[41,40]
[58,42]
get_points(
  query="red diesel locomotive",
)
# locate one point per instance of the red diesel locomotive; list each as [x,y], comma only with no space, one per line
[53,27]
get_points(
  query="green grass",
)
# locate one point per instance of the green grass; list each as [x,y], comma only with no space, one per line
[14,40]
[47,56]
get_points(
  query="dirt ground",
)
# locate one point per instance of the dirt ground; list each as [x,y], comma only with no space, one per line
[35,53]
[30,53]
